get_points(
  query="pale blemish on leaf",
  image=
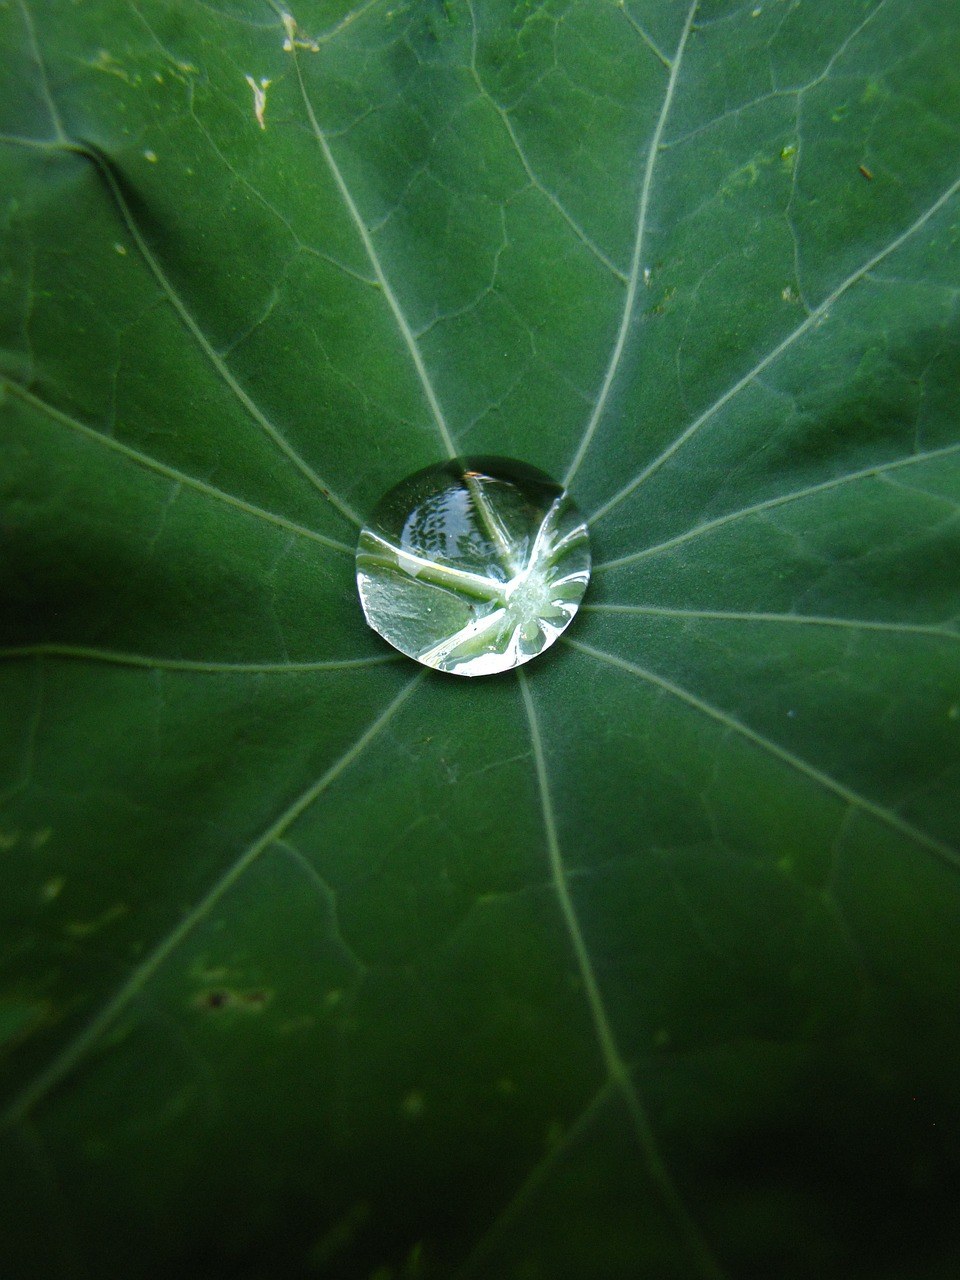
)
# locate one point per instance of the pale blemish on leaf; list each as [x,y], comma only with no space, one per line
[81,929]
[259,98]
[8,839]
[218,999]
[150,157]
[51,889]
[413,1105]
[41,837]
[295,38]
[107,63]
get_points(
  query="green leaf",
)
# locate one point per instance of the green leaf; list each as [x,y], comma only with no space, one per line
[644,962]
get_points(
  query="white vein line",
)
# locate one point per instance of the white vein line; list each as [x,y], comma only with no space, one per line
[850,797]
[617,1070]
[849,477]
[220,366]
[528,169]
[854,35]
[548,195]
[636,262]
[800,619]
[193,328]
[109,657]
[534,1180]
[77,1049]
[326,36]
[371,250]
[815,316]
[170,473]
[647,40]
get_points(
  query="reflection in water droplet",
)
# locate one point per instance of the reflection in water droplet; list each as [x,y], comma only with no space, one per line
[474,566]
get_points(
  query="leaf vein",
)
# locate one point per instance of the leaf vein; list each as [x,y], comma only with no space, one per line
[801,619]
[171,473]
[850,797]
[109,657]
[636,263]
[617,1069]
[406,333]
[812,319]
[849,477]
[80,1045]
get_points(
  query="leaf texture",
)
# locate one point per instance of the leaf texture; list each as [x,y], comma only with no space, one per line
[643,962]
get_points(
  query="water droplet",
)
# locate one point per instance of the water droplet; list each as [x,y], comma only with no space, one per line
[473,566]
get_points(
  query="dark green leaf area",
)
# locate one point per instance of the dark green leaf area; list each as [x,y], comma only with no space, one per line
[640,963]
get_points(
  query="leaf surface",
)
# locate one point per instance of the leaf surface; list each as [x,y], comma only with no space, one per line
[642,962]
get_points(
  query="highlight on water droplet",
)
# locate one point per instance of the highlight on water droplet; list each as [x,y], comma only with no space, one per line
[473,566]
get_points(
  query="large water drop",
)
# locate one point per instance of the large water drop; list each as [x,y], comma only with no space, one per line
[473,566]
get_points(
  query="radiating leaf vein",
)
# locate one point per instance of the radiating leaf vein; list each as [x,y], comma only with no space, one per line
[617,1069]
[636,263]
[853,798]
[80,1045]
[796,495]
[816,315]
[171,473]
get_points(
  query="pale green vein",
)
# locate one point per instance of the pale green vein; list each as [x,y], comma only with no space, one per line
[534,1180]
[218,363]
[644,36]
[170,473]
[796,495]
[532,177]
[636,264]
[292,28]
[77,1049]
[798,619]
[617,1069]
[36,144]
[815,317]
[343,24]
[48,97]
[110,657]
[850,797]
[173,297]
